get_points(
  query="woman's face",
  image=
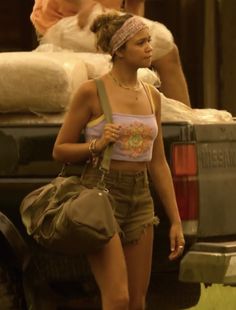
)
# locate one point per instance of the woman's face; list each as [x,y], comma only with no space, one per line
[138,50]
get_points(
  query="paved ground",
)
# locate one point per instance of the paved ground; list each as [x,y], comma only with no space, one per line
[216,297]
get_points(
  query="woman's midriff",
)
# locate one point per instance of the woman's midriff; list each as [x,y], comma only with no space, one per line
[128,165]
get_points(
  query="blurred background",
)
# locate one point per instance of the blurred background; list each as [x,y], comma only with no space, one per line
[204,31]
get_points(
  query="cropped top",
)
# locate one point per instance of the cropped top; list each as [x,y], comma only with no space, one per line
[137,134]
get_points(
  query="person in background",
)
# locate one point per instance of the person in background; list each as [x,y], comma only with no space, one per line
[65,23]
[136,7]
[122,268]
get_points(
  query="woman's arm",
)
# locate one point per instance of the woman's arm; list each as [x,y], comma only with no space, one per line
[84,107]
[162,180]
[67,148]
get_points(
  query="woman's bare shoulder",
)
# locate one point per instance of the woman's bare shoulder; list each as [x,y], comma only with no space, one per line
[156,96]
[87,88]
[154,91]
[85,94]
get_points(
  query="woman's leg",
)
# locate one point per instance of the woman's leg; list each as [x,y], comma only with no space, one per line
[109,269]
[138,261]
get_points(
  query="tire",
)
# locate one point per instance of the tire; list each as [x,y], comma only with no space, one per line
[167,292]
[11,290]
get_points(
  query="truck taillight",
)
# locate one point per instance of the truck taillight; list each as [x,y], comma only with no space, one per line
[186,191]
[184,171]
[184,159]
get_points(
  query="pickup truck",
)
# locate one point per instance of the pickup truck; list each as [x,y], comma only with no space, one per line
[202,158]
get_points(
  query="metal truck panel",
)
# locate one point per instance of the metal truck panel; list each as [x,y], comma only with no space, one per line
[210,263]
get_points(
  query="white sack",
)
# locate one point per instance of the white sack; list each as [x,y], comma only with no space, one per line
[176,111]
[38,82]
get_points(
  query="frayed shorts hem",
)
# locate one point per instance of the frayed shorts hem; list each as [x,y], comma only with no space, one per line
[138,234]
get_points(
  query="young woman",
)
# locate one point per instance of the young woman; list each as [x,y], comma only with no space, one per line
[122,268]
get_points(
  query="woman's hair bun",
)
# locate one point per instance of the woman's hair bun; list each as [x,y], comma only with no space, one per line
[103,21]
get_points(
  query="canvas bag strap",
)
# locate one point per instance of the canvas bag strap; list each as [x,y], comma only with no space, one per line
[105,163]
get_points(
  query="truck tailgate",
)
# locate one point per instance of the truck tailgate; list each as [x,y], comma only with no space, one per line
[216,148]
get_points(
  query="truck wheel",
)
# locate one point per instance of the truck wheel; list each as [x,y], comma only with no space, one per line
[11,290]
[167,292]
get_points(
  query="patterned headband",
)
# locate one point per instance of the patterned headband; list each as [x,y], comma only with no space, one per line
[130,27]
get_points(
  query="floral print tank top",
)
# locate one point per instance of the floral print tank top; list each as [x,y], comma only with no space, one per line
[137,135]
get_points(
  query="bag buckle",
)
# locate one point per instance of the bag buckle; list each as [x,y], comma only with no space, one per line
[101,183]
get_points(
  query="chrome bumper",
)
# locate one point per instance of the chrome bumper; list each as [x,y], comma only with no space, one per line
[209,262]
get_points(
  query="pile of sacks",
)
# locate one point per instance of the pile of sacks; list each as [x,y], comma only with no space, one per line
[44,80]
[176,111]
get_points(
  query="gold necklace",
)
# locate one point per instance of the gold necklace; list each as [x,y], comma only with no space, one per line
[136,88]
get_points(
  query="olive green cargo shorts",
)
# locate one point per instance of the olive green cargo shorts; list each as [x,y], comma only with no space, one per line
[132,201]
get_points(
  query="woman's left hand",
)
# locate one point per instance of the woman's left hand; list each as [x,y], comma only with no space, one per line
[177,241]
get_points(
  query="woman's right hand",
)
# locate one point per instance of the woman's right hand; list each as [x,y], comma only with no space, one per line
[110,135]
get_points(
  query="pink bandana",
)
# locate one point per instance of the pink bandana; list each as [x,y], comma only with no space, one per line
[130,27]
